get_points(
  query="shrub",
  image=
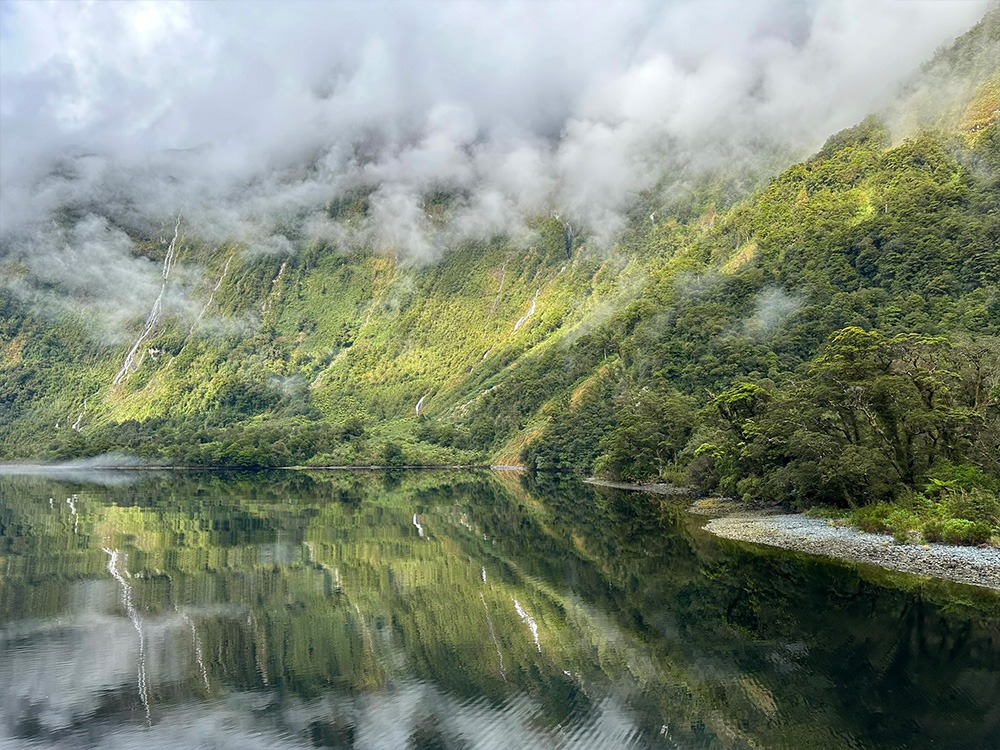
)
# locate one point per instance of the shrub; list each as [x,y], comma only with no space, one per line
[962,531]
[900,522]
[873,518]
[977,505]
[392,455]
[933,529]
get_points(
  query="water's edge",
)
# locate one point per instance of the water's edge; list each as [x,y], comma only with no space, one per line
[974,566]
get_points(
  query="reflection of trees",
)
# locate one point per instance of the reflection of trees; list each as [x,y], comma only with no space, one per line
[825,641]
[315,586]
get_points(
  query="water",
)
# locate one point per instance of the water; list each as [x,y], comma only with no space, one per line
[457,610]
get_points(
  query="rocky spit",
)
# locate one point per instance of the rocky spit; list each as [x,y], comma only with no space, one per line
[978,566]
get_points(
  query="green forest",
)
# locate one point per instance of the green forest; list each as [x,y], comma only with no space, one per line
[829,340]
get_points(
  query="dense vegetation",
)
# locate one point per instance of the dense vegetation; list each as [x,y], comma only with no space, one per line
[831,340]
[846,353]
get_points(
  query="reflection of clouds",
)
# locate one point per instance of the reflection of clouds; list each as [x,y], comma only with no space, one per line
[88,471]
[376,721]
[59,671]
[61,676]
[394,719]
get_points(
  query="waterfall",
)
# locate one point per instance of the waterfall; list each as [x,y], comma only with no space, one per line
[218,285]
[130,363]
[531,311]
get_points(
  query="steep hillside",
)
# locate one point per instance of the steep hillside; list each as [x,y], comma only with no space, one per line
[830,338]
[324,342]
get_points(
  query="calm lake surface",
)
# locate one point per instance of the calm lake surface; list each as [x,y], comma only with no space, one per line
[457,610]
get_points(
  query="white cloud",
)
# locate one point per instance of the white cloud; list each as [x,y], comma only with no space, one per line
[246,116]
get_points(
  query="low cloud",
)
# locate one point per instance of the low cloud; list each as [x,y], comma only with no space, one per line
[249,120]
[772,306]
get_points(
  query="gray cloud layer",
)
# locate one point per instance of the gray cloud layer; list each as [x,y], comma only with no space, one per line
[250,118]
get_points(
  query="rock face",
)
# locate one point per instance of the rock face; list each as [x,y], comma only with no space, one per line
[978,566]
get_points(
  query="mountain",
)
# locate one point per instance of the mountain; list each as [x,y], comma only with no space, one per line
[830,336]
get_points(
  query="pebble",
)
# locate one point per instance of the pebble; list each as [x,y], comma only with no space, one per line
[977,566]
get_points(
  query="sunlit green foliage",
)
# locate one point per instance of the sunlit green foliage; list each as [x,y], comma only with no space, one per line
[828,339]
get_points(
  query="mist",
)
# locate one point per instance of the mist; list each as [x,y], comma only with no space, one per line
[249,120]
[771,307]
[107,470]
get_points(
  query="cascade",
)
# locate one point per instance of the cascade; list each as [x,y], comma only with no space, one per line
[531,311]
[130,363]
[218,285]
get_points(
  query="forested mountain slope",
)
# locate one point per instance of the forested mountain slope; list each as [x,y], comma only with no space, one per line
[830,338]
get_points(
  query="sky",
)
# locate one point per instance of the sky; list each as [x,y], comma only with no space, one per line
[247,118]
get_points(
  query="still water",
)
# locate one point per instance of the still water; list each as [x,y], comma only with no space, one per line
[457,610]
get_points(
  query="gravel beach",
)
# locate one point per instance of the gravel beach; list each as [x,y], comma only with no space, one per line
[978,566]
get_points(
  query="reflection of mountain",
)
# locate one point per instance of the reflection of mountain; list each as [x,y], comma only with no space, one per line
[310,608]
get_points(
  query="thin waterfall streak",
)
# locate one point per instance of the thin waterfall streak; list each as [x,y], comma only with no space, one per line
[493,635]
[274,282]
[198,655]
[133,615]
[496,300]
[531,311]
[530,622]
[79,420]
[154,313]
[169,260]
[218,285]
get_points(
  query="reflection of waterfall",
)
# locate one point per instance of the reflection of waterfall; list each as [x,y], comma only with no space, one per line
[530,622]
[133,615]
[493,635]
[531,311]
[366,632]
[259,648]
[71,502]
[154,314]
[198,655]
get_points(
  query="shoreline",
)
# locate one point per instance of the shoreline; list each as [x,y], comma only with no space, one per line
[974,566]
[653,489]
[770,527]
[722,517]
